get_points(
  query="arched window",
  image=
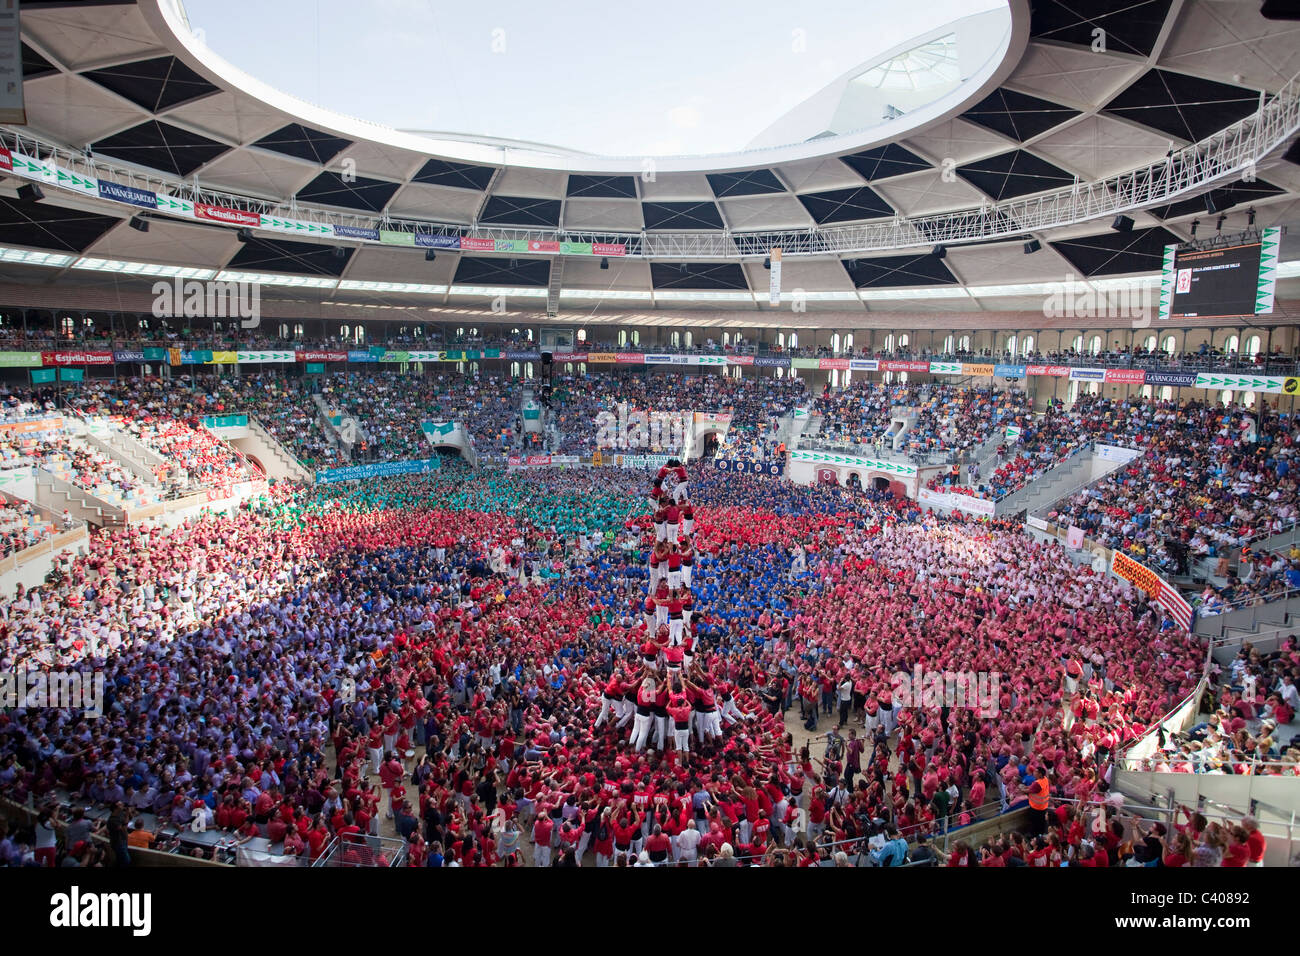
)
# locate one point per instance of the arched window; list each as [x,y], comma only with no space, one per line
[675,340]
[780,372]
[1072,393]
[582,335]
[947,345]
[67,327]
[1148,391]
[297,330]
[636,337]
[345,332]
[1252,346]
[689,339]
[1225,396]
[794,340]
[582,368]
[904,341]
[417,332]
[1248,399]
[889,342]
[887,378]
[835,343]
[359,335]
[726,340]
[835,378]
[1167,393]
[1077,344]
[1230,344]
[568,368]
[1170,346]
[514,369]
[902,378]
[622,336]
[1011,345]
[284,330]
[528,370]
[1094,346]
[1150,343]
[780,340]
[848,377]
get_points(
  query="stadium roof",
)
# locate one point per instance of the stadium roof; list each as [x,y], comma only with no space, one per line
[121,89]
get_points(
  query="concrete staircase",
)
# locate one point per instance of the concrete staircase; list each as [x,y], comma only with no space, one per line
[1049,487]
[1247,622]
[55,495]
[261,444]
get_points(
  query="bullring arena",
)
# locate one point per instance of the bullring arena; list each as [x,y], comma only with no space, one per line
[906,484]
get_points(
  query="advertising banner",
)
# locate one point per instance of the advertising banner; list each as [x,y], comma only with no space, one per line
[523,356]
[630,358]
[835,363]
[974,506]
[315,355]
[1087,375]
[740,360]
[19,359]
[602,358]
[127,356]
[76,358]
[945,368]
[71,374]
[418,466]
[226,421]
[397,237]
[427,241]
[773,361]
[1125,376]
[43,376]
[1179,379]
[357,232]
[909,367]
[976,369]
[32,427]
[224,214]
[747,466]
[853,461]
[864,365]
[1009,371]
[1055,371]
[1116,453]
[1143,578]
[1245,383]
[144,198]
[315,368]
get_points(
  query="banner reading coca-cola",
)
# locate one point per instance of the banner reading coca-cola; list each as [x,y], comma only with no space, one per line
[1056,371]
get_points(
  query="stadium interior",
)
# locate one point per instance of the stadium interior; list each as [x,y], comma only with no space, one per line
[909,486]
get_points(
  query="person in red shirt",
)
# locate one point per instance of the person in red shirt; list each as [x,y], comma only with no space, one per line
[542,831]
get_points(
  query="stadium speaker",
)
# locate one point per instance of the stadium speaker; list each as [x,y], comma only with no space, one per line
[939,251]
[430,255]
[1280,10]
[340,252]
[604,263]
[244,235]
[547,358]
[139,224]
[31,193]
[1032,246]
[1122,224]
[767,263]
[1211,203]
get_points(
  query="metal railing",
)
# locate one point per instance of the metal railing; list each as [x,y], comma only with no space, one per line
[1230,153]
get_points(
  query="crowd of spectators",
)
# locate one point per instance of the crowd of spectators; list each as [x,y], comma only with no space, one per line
[478,622]
[947,418]
[1210,478]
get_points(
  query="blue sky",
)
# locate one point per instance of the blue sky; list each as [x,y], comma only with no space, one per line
[675,76]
